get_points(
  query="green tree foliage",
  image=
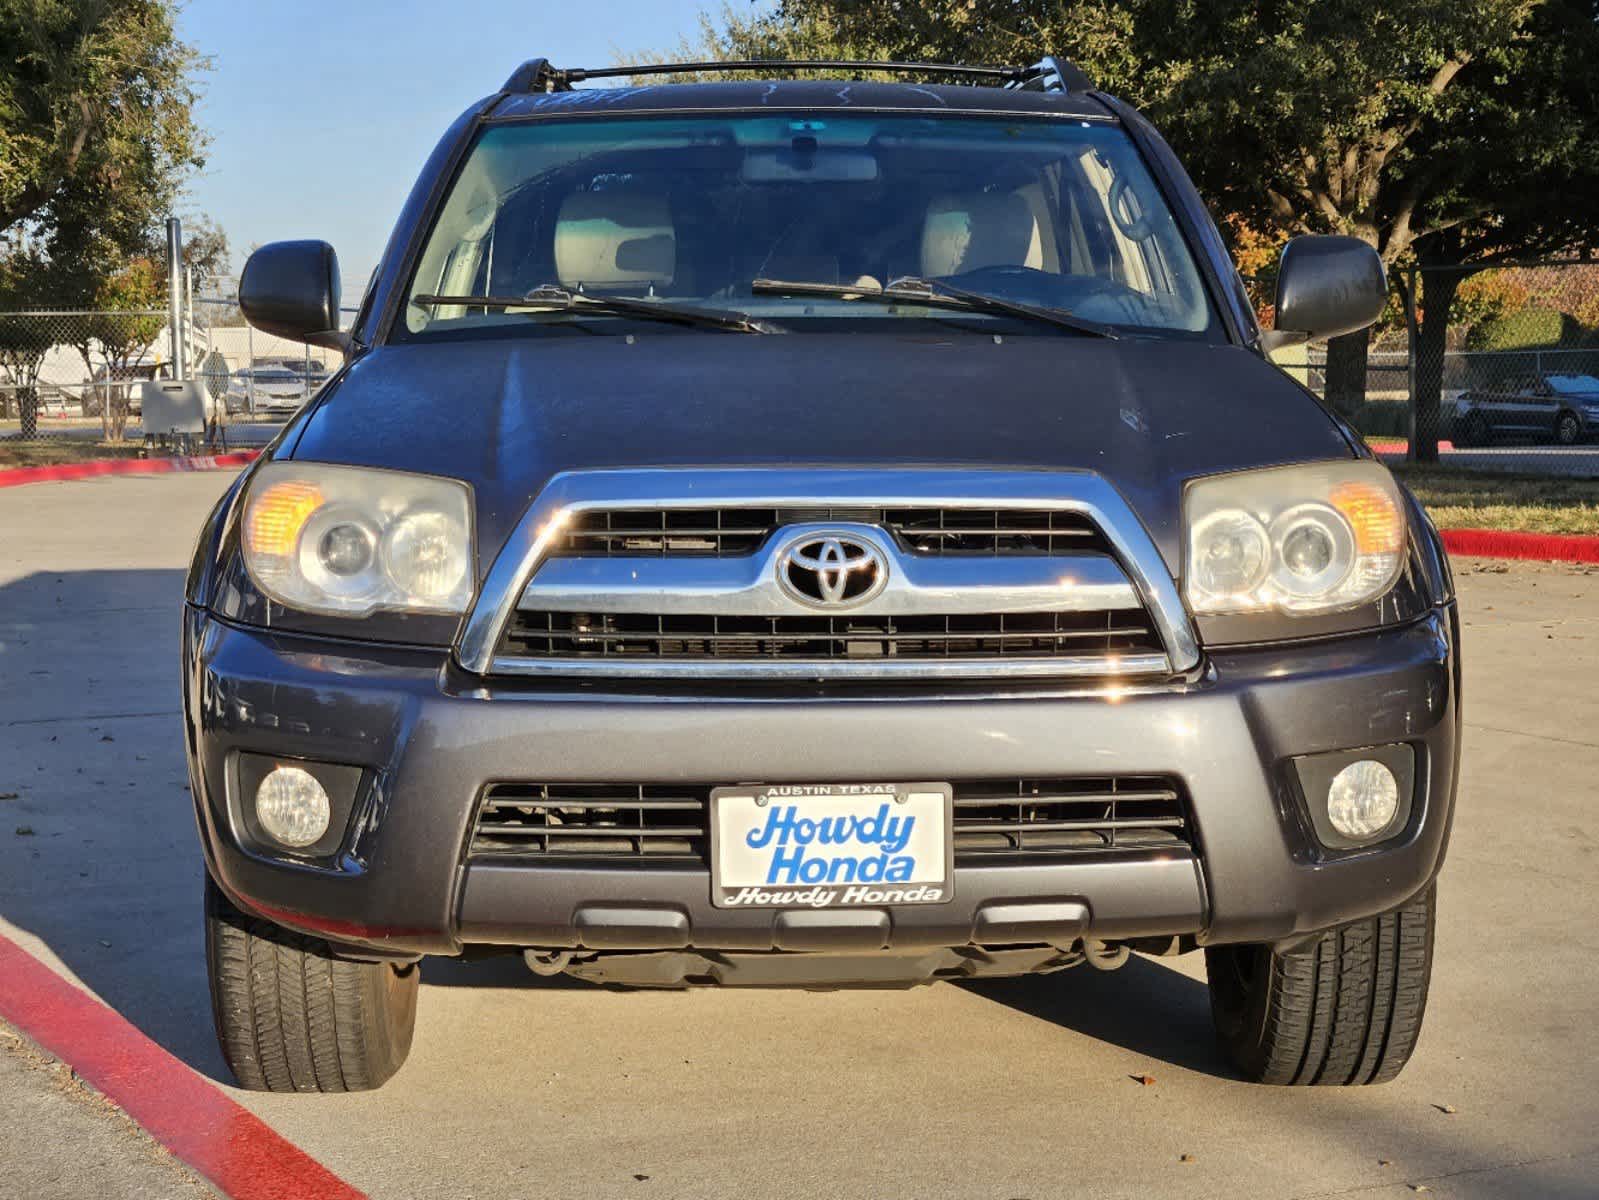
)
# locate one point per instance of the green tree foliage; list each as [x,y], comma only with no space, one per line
[1438,131]
[1529,329]
[127,318]
[97,136]
[96,112]
[1391,120]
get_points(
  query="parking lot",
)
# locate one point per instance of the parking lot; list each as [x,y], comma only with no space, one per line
[1034,1088]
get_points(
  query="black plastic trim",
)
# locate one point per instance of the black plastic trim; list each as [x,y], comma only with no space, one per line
[1313,773]
[345,786]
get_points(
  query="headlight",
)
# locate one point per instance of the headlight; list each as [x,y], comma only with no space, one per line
[1301,540]
[349,541]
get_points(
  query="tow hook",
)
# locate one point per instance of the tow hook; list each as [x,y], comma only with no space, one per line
[1103,957]
[547,962]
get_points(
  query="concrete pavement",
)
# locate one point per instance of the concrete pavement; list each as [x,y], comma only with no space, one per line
[524,1087]
[63,1142]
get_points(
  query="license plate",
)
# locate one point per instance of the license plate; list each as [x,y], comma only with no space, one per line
[830,845]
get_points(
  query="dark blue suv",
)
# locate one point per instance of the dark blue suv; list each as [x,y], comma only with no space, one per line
[822,533]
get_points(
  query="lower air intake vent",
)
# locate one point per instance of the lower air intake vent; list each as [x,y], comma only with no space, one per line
[1029,818]
[1051,816]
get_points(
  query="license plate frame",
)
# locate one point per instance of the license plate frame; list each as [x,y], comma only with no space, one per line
[929,843]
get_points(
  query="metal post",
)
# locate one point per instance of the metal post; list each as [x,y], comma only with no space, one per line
[1411,332]
[188,319]
[175,295]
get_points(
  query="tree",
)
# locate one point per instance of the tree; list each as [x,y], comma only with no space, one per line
[125,321]
[96,100]
[126,301]
[1445,134]
[96,137]
[24,339]
[206,253]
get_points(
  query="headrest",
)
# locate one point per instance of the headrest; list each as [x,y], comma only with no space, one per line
[971,230]
[607,239]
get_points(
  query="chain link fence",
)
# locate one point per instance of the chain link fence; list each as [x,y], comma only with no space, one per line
[1508,380]
[76,375]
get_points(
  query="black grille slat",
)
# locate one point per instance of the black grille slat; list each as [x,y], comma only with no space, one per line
[544,634]
[643,823]
[1040,815]
[735,532]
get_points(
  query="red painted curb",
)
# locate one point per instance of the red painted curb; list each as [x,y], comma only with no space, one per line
[235,1150]
[1384,445]
[1545,547]
[62,472]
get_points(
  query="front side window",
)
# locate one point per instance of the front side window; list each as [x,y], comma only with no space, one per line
[710,211]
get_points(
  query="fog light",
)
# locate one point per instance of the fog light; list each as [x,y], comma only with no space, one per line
[292,807]
[1362,799]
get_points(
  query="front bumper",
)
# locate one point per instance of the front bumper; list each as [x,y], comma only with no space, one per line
[431,739]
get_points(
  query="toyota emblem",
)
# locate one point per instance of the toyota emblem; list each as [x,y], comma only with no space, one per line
[832,570]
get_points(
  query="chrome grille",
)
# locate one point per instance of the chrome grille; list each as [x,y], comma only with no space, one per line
[732,532]
[1027,818]
[625,552]
[571,635]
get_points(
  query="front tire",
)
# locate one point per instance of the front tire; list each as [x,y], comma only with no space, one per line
[1568,429]
[291,1017]
[1346,1010]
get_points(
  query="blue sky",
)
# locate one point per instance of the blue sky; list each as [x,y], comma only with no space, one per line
[321,113]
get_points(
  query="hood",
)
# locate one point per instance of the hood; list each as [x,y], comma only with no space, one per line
[506,415]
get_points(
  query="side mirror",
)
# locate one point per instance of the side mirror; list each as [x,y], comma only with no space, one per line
[1327,285]
[292,289]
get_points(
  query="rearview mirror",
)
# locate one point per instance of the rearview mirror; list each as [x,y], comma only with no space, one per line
[292,289]
[1326,286]
[807,164]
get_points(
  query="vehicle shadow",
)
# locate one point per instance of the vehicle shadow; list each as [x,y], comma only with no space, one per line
[506,971]
[1146,1007]
[99,859]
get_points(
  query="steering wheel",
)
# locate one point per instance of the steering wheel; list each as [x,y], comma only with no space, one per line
[1128,210]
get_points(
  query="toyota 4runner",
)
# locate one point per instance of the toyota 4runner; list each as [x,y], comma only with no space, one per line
[824,533]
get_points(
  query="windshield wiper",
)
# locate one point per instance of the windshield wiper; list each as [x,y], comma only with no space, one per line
[909,289]
[547,298]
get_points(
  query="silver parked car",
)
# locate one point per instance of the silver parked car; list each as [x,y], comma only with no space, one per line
[274,391]
[1562,408]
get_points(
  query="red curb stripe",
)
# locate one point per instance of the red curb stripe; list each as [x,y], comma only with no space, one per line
[1389,445]
[231,1147]
[63,472]
[1545,547]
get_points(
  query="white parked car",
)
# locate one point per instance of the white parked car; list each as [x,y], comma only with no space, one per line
[277,391]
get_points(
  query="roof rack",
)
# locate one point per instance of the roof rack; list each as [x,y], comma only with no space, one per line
[1053,74]
[1050,74]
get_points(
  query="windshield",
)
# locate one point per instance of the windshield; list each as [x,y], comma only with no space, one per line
[1046,212]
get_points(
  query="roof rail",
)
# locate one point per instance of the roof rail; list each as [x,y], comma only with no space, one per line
[1047,75]
[537,75]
